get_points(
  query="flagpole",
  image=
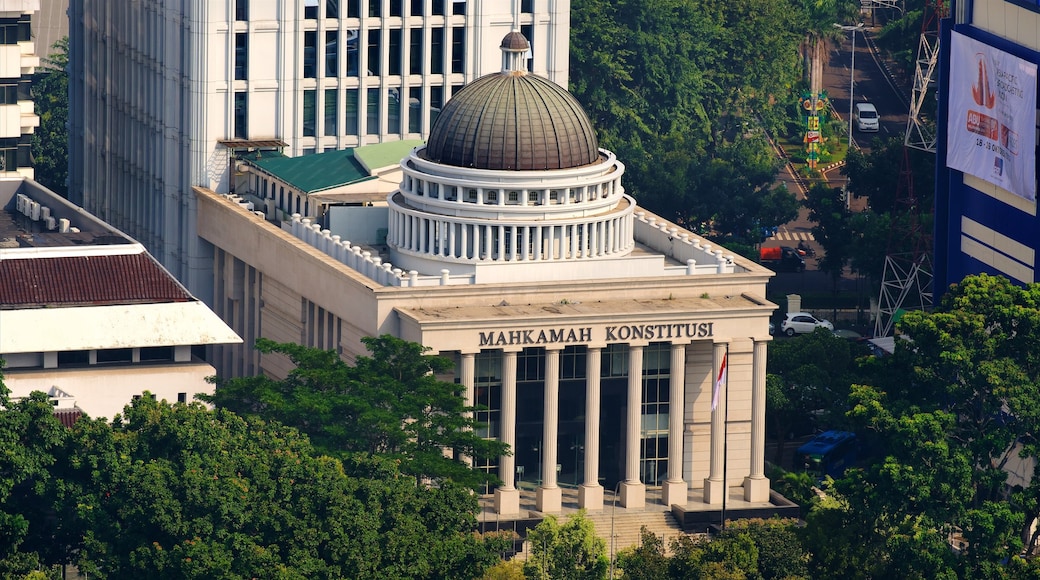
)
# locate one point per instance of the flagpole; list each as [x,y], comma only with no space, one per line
[725,442]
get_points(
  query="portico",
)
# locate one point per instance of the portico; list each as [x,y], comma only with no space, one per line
[585,397]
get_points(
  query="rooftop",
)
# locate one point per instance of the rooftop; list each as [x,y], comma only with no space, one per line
[331,169]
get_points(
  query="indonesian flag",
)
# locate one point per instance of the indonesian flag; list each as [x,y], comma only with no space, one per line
[718,384]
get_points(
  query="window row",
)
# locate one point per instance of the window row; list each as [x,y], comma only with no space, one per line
[435,190]
[314,9]
[399,57]
[332,108]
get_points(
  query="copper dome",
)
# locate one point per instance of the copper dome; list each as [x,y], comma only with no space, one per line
[513,120]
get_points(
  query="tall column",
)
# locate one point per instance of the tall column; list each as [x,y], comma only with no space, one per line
[714,485]
[590,494]
[467,389]
[675,490]
[507,496]
[633,492]
[756,485]
[550,497]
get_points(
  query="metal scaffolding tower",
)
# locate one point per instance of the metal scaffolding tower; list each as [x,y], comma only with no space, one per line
[907,279]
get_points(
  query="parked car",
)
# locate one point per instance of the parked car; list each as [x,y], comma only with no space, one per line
[802,322]
[866,116]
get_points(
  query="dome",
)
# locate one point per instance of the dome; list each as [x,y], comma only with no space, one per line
[513,120]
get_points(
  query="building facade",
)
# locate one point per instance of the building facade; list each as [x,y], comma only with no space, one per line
[18,62]
[164,94]
[610,348]
[87,316]
[988,129]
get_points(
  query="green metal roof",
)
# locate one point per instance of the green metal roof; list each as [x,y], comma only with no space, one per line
[383,154]
[321,171]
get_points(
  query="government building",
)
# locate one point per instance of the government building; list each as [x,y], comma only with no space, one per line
[593,334]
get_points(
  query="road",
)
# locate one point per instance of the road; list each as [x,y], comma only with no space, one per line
[872,84]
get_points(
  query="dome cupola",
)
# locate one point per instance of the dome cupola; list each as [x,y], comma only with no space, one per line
[513,120]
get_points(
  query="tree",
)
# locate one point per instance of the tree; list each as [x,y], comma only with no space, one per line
[647,561]
[390,405]
[29,436]
[50,141]
[179,491]
[571,551]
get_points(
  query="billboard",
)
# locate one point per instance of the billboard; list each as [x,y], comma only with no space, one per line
[992,123]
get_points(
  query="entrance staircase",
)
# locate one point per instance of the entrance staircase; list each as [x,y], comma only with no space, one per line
[626,525]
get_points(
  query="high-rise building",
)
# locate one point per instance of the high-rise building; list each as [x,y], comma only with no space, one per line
[986,181]
[162,95]
[18,62]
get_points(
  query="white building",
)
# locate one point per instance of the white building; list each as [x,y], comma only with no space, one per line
[18,62]
[87,316]
[164,93]
[592,330]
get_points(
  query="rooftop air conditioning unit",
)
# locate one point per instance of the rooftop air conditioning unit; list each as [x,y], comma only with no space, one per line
[45,213]
[19,204]
[63,225]
[35,212]
[51,222]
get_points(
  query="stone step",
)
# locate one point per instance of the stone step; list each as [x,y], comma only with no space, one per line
[626,527]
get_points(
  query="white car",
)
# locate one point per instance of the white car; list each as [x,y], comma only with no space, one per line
[802,322]
[867,118]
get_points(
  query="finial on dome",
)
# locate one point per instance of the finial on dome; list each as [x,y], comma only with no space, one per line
[514,53]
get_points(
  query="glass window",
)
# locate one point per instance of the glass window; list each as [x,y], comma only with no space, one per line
[241,56]
[528,31]
[115,355]
[396,7]
[438,7]
[414,109]
[8,154]
[332,53]
[352,53]
[458,49]
[241,10]
[155,353]
[331,112]
[331,8]
[527,6]
[394,63]
[393,111]
[374,7]
[437,51]
[310,9]
[241,115]
[417,7]
[351,115]
[415,53]
[9,94]
[9,32]
[372,119]
[353,8]
[436,102]
[373,52]
[309,98]
[310,54]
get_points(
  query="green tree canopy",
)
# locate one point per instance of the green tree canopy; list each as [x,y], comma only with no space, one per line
[390,405]
[50,141]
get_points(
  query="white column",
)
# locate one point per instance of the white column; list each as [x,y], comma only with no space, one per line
[590,494]
[487,242]
[539,243]
[507,497]
[675,490]
[501,254]
[713,485]
[467,373]
[633,492]
[550,497]
[451,238]
[464,234]
[756,485]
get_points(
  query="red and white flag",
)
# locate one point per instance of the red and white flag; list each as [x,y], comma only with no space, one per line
[718,383]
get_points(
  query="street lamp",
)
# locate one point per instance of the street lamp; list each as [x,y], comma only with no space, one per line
[852,84]
[852,72]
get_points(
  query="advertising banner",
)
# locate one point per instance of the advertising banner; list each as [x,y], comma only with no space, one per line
[992,126]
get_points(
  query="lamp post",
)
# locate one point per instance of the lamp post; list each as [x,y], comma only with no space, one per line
[852,72]
[852,84]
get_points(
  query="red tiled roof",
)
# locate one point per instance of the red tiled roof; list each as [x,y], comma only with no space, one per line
[86,280]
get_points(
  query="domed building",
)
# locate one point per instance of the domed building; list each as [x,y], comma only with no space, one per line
[512,173]
[590,333]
